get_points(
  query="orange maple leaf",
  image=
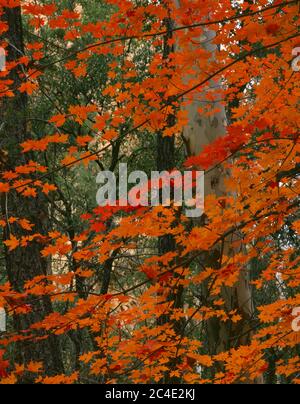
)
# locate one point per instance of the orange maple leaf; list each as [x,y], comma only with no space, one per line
[25,224]
[48,188]
[29,87]
[12,243]
[58,120]
[4,187]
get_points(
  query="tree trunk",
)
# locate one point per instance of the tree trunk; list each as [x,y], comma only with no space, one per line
[201,131]
[24,264]
[166,162]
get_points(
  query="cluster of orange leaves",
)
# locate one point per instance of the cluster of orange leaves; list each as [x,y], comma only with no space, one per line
[263,141]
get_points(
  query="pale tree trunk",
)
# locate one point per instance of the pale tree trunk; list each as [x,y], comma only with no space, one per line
[199,132]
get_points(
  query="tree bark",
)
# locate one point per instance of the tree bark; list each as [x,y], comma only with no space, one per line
[24,264]
[201,131]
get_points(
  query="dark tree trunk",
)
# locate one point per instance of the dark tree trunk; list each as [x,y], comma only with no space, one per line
[166,161]
[166,150]
[24,264]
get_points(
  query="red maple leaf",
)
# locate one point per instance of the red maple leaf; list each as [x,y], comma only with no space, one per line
[272,29]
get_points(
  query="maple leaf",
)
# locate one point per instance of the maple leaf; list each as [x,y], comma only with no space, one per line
[58,120]
[80,71]
[296,226]
[12,243]
[71,15]
[83,140]
[60,379]
[48,9]
[25,224]
[68,160]
[9,175]
[4,187]
[98,227]
[47,188]
[236,318]
[272,28]
[28,87]
[3,365]
[30,192]
[57,138]
[35,46]
[35,367]
[29,145]
[50,250]
[110,134]
[54,234]
[100,123]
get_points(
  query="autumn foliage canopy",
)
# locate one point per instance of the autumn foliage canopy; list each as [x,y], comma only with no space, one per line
[89,87]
